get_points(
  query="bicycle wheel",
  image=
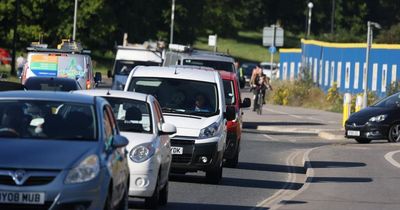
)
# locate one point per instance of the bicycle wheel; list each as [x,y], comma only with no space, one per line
[259,104]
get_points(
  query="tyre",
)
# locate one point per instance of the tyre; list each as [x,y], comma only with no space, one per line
[214,175]
[153,201]
[232,163]
[124,203]
[394,133]
[164,195]
[260,104]
[363,140]
[108,203]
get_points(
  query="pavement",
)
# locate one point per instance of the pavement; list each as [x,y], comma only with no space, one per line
[287,119]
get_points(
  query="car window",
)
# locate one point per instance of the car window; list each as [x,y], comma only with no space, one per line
[47,120]
[179,95]
[131,115]
[108,130]
[217,65]
[36,83]
[229,92]
[389,102]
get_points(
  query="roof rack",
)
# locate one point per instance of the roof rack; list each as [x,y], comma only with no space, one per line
[211,53]
[192,67]
[179,48]
[65,46]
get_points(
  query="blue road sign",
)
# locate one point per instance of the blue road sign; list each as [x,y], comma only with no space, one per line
[272,49]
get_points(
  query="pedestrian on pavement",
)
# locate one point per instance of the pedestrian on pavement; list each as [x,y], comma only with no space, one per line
[21,61]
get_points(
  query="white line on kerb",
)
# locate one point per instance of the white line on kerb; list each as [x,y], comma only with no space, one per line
[389,158]
[269,137]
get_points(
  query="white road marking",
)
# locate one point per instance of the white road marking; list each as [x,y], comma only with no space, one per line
[270,137]
[391,160]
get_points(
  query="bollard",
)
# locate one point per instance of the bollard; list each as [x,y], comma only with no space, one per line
[346,107]
[359,103]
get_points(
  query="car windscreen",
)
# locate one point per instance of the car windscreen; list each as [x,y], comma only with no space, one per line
[131,115]
[180,96]
[229,92]
[57,65]
[124,67]
[37,119]
[389,102]
[217,65]
[35,83]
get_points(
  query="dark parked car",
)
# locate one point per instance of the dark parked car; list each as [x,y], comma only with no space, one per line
[51,83]
[60,151]
[379,121]
[6,86]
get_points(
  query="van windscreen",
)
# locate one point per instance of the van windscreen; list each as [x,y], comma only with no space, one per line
[217,65]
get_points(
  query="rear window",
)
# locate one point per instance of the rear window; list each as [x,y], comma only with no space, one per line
[217,65]
[124,67]
[57,65]
[34,83]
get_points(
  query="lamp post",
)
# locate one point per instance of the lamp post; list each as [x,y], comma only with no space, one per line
[369,43]
[171,34]
[75,16]
[310,5]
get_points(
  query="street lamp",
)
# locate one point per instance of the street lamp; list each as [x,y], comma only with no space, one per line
[310,6]
[369,43]
[75,16]
[171,38]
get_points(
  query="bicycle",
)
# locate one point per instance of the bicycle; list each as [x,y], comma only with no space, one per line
[258,101]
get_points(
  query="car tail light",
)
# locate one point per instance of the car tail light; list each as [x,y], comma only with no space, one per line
[87,84]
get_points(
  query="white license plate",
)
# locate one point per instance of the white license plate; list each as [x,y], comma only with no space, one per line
[177,150]
[353,133]
[22,197]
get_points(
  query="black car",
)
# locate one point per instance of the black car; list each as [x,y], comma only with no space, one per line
[379,121]
[51,83]
[7,86]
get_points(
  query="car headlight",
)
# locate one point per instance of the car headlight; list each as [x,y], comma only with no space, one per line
[87,170]
[142,152]
[378,118]
[210,131]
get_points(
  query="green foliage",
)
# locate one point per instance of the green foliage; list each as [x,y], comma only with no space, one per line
[334,98]
[390,36]
[394,87]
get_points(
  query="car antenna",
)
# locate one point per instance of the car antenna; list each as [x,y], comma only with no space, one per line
[108,92]
[175,70]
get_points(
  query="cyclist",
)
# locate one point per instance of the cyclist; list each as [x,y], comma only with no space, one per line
[259,83]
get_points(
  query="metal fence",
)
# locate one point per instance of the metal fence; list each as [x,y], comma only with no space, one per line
[343,64]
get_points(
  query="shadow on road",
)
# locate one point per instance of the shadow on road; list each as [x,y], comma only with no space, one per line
[195,206]
[333,164]
[238,182]
[271,167]
[337,179]
[253,125]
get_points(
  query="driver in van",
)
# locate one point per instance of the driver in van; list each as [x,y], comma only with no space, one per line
[201,104]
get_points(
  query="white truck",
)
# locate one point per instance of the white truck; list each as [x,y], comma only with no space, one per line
[130,56]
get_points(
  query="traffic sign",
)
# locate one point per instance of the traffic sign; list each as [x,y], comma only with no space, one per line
[272,49]
[273,36]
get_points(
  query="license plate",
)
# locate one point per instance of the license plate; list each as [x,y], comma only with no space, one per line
[353,133]
[22,197]
[177,150]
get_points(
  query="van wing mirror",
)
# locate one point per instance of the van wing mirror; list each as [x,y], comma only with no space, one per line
[230,113]
[167,129]
[246,103]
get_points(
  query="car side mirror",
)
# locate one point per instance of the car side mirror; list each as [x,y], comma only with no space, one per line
[167,129]
[230,113]
[97,77]
[109,74]
[246,103]
[119,141]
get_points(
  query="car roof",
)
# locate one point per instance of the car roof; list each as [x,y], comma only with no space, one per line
[114,93]
[203,55]
[195,73]
[226,75]
[47,96]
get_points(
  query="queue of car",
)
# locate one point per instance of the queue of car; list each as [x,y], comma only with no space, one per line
[93,149]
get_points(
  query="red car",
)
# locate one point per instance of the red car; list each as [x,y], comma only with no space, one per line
[233,99]
[5,57]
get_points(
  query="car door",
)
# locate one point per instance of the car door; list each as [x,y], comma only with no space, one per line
[165,144]
[116,157]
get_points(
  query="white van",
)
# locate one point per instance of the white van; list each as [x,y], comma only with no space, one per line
[127,58]
[192,98]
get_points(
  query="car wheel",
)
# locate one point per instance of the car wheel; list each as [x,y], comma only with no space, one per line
[153,201]
[232,163]
[394,133]
[108,203]
[363,140]
[164,195]
[124,203]
[214,175]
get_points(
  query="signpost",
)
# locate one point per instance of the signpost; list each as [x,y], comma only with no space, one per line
[273,37]
[212,41]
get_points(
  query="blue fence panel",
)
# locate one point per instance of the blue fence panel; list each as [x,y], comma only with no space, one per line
[343,64]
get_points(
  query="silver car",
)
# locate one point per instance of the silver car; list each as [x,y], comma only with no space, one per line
[60,151]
